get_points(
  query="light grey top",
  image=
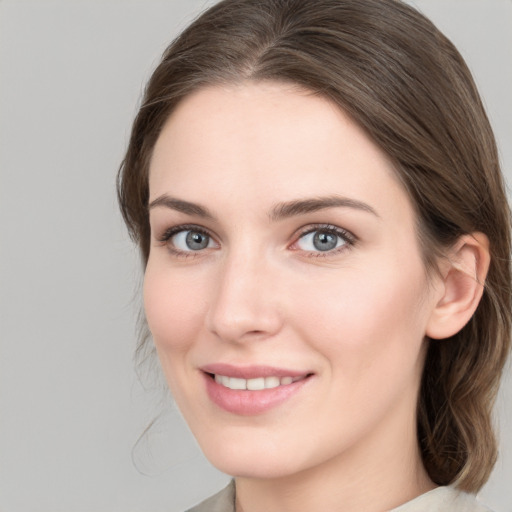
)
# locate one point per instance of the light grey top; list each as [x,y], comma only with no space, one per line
[441,499]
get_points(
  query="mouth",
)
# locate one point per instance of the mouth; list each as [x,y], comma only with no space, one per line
[252,390]
[255,384]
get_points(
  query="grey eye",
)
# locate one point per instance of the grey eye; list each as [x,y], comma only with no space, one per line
[321,241]
[190,240]
[197,241]
[325,241]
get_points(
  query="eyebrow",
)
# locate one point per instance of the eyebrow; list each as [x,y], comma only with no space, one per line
[302,206]
[278,212]
[181,206]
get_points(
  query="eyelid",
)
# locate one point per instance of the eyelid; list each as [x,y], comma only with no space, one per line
[168,233]
[343,233]
[173,230]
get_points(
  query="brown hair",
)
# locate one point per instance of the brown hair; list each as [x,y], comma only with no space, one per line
[404,82]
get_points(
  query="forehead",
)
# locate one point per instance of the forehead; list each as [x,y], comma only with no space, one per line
[272,141]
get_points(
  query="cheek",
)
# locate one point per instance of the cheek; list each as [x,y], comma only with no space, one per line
[173,303]
[366,321]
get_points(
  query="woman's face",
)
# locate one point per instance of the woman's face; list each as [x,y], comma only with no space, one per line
[284,257]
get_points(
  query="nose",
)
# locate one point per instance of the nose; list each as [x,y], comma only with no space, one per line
[245,303]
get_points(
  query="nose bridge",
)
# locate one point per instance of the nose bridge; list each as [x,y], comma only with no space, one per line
[244,304]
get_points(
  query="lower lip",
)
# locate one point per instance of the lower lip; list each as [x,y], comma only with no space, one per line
[250,403]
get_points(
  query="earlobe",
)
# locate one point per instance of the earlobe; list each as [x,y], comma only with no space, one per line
[463,275]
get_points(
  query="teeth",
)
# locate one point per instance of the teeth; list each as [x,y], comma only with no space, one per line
[254,384]
[272,382]
[235,383]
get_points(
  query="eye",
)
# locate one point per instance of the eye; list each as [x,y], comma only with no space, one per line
[324,239]
[186,239]
[191,240]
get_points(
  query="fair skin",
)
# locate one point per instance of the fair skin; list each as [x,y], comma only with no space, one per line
[282,243]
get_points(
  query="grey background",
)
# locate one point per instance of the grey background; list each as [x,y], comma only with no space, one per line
[71,406]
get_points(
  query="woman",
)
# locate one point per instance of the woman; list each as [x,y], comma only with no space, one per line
[316,193]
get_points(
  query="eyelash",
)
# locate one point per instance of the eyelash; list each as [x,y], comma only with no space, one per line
[347,237]
[166,236]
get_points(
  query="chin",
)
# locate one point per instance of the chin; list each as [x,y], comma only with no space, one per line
[257,468]
[254,459]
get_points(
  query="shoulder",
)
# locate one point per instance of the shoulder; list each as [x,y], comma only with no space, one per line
[223,501]
[443,499]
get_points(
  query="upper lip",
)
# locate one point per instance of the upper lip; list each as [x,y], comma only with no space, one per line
[251,372]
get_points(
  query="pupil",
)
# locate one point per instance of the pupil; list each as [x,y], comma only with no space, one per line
[196,241]
[324,241]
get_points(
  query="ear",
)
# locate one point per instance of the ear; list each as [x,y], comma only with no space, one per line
[463,276]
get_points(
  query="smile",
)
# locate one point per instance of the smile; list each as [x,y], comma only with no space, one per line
[252,390]
[256,384]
